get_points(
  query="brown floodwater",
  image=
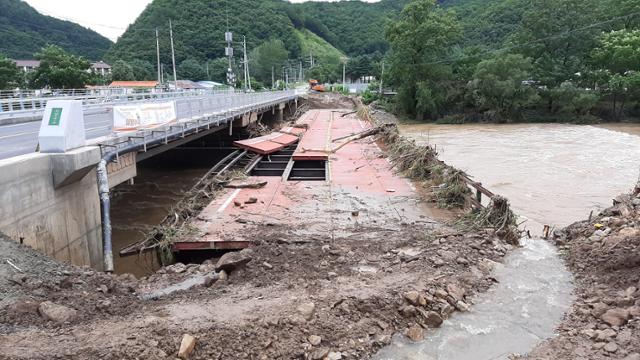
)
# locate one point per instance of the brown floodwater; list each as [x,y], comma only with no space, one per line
[553,174]
[136,209]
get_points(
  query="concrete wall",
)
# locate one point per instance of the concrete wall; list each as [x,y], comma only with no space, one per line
[61,217]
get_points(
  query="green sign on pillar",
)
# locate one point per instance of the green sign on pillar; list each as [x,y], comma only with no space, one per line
[54,119]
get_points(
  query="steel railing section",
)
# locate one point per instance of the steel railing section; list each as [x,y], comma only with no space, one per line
[33,106]
[196,115]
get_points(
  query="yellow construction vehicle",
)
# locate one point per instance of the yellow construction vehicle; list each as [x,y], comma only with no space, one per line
[316,86]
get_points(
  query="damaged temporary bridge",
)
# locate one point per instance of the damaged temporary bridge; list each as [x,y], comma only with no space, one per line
[321,175]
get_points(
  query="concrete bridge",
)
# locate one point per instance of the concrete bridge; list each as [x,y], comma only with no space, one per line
[58,201]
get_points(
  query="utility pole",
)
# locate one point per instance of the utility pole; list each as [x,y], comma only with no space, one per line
[381,77]
[208,76]
[247,78]
[273,77]
[344,74]
[228,37]
[173,58]
[158,57]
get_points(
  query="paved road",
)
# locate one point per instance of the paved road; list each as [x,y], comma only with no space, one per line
[19,139]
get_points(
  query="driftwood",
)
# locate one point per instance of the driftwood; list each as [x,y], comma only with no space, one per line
[257,185]
[348,139]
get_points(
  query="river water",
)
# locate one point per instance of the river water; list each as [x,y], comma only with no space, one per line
[552,174]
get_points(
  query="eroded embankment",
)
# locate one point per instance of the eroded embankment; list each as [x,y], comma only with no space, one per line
[604,255]
[298,293]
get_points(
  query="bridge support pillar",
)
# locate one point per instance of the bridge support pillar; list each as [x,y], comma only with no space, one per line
[50,203]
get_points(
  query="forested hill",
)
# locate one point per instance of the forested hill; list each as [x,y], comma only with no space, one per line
[23,31]
[353,27]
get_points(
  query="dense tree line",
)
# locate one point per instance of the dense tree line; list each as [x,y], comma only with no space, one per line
[502,59]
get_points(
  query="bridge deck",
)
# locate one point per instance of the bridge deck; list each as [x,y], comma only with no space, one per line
[361,191]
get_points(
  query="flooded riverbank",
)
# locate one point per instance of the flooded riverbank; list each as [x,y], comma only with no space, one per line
[552,174]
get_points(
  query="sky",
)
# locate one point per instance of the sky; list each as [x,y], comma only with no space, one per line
[110,21]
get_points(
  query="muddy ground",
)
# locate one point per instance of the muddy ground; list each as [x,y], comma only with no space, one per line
[604,255]
[288,297]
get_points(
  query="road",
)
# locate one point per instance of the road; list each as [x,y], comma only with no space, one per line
[19,139]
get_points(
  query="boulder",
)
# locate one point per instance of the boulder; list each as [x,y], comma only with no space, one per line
[314,340]
[319,354]
[456,292]
[306,310]
[615,317]
[334,355]
[234,259]
[413,297]
[57,313]
[432,318]
[415,332]
[611,347]
[187,345]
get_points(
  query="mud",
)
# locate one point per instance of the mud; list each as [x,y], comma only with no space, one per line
[604,322]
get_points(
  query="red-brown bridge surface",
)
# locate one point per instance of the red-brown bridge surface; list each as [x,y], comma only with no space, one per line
[361,190]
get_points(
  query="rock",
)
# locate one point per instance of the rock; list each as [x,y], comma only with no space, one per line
[209,280]
[222,275]
[634,356]
[432,319]
[456,292]
[408,311]
[447,255]
[23,306]
[176,268]
[487,265]
[462,261]
[251,200]
[319,354]
[186,346]
[606,334]
[599,309]
[615,317]
[611,347]
[412,297]
[314,340]
[267,265]
[237,203]
[415,332]
[462,306]
[306,310]
[634,311]
[234,259]
[57,313]
[626,301]
[334,356]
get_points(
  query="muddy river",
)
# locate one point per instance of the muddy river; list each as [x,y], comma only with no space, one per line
[553,174]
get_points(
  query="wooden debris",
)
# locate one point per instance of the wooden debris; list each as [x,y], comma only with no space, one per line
[256,185]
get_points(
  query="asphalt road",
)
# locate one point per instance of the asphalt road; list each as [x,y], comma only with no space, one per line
[19,139]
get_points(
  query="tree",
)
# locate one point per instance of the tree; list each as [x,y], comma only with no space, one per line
[421,41]
[618,52]
[191,69]
[122,71]
[556,35]
[60,70]
[142,70]
[269,55]
[498,85]
[9,73]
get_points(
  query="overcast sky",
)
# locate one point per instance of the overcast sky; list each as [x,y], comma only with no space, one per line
[109,18]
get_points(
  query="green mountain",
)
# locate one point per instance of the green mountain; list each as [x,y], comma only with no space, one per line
[23,31]
[349,27]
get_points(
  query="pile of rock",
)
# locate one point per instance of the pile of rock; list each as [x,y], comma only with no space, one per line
[431,307]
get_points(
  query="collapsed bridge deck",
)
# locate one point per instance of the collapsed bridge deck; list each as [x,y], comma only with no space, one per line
[359,189]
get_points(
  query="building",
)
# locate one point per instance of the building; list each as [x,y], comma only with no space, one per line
[185,85]
[99,67]
[134,84]
[27,65]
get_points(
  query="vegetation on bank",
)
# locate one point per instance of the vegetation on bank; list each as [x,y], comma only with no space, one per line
[544,59]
